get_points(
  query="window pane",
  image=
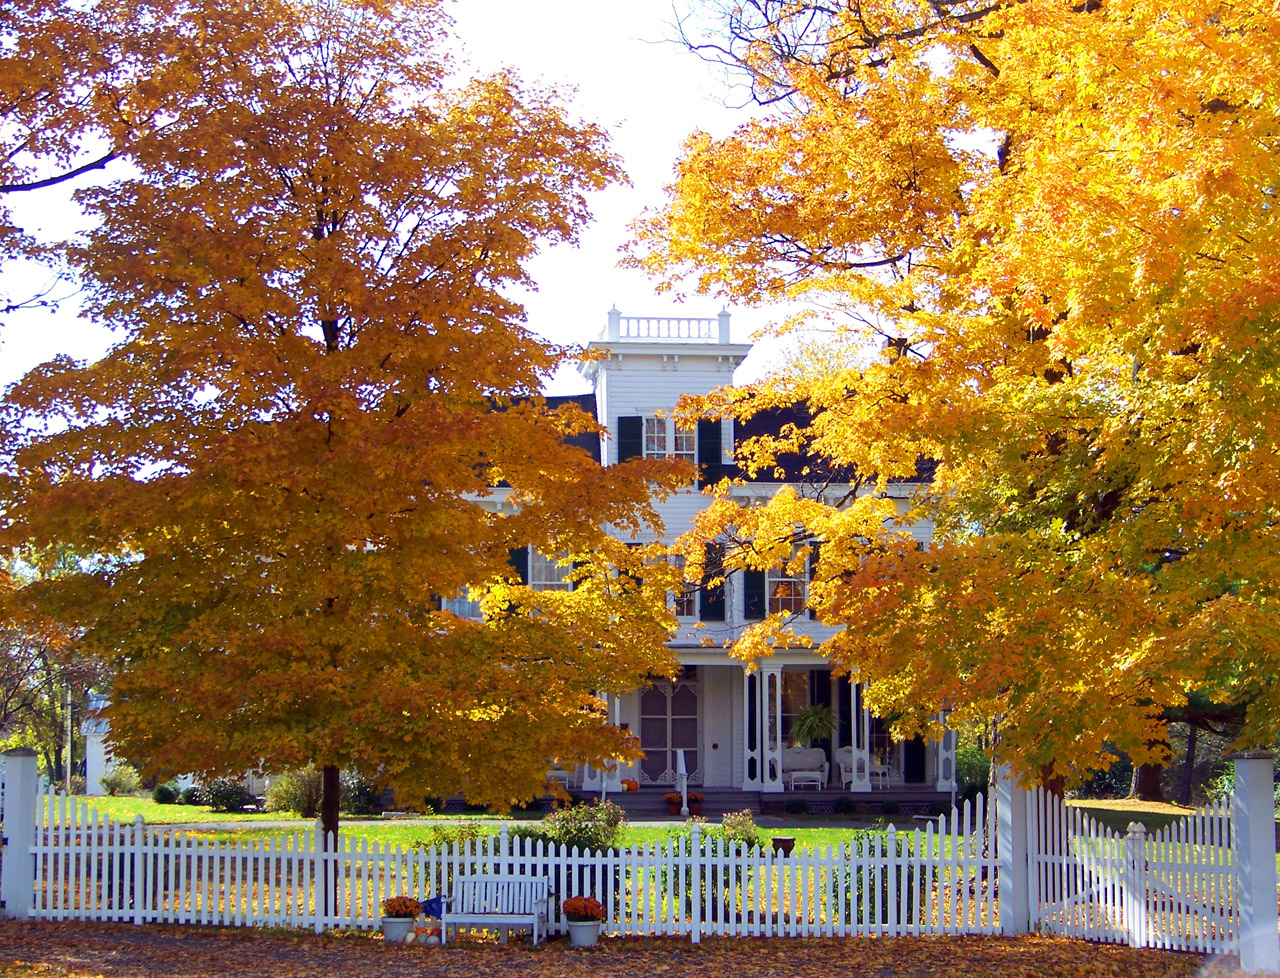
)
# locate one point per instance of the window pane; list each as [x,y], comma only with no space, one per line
[655,437]
[684,444]
[462,606]
[547,573]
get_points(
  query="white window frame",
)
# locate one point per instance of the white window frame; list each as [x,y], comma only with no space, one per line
[462,605]
[688,594]
[662,439]
[549,573]
[793,600]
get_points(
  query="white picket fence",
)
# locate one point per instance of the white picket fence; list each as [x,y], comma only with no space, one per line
[1174,889]
[1206,884]
[936,880]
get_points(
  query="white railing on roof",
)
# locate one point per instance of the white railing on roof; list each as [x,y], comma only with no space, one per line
[680,329]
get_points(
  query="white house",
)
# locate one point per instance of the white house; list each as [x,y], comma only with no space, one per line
[731,722]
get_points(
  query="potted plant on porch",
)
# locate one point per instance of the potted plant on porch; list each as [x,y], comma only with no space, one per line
[674,802]
[584,915]
[398,915]
[815,722]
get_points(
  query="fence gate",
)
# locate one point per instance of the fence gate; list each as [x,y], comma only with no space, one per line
[1174,889]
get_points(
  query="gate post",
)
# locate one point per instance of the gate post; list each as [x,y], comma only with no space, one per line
[1135,884]
[1011,850]
[1253,840]
[18,871]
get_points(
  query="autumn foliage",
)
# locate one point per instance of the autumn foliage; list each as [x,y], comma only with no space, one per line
[321,417]
[1057,224]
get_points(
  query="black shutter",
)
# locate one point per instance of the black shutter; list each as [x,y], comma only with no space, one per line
[709,466]
[755,603]
[813,569]
[711,599]
[637,579]
[519,558]
[577,566]
[630,437]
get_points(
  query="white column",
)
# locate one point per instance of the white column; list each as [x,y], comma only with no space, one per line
[1011,850]
[722,326]
[18,870]
[771,728]
[946,748]
[1254,842]
[861,717]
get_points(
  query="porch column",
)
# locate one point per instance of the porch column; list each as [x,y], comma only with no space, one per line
[752,750]
[771,728]
[946,748]
[861,722]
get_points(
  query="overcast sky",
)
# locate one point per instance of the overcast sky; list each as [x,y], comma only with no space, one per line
[648,93]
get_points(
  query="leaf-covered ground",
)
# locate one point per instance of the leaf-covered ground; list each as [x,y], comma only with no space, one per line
[74,950]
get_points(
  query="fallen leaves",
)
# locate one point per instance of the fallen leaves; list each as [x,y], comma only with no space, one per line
[75,950]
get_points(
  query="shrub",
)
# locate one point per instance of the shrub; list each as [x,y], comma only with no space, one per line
[358,797]
[796,806]
[740,827]
[890,808]
[296,791]
[597,826]
[1114,782]
[844,806]
[973,771]
[121,780]
[77,784]
[192,796]
[227,795]
[439,836]
[165,794]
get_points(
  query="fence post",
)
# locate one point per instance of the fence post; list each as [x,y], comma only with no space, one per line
[1012,853]
[18,869]
[1254,843]
[1135,885]
[695,854]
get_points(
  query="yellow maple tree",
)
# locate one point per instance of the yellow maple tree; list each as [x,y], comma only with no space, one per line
[322,416]
[1058,222]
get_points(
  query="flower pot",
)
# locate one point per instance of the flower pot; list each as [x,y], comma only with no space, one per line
[783,844]
[584,933]
[673,808]
[396,928]
[695,808]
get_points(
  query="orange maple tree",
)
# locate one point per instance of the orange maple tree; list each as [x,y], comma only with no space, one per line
[322,416]
[1058,222]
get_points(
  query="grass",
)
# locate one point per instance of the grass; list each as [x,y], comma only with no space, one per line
[1117,813]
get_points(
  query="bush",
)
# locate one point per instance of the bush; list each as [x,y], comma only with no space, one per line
[358,797]
[192,796]
[77,784]
[740,827]
[844,806]
[227,795]
[121,780]
[973,771]
[597,826]
[165,794]
[296,791]
[795,806]
[440,836]
[1114,782]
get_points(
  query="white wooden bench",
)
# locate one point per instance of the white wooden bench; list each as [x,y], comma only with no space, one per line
[497,902]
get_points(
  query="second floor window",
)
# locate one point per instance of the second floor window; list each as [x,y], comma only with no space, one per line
[548,573]
[655,438]
[686,596]
[786,591]
[462,605]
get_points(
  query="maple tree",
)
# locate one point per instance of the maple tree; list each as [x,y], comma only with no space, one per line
[322,415]
[1059,221]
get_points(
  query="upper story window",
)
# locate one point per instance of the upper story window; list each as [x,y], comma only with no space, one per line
[655,438]
[549,573]
[686,597]
[683,442]
[786,590]
[462,605]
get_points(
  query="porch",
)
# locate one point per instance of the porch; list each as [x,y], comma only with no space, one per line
[647,805]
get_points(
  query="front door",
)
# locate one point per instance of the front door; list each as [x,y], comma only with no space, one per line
[669,722]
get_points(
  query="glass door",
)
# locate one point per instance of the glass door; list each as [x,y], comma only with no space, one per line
[669,722]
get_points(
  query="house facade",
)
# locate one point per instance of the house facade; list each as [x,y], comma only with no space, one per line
[732,722]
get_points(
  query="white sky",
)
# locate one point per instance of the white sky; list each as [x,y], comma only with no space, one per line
[649,94]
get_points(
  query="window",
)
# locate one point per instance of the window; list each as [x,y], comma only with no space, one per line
[683,444]
[549,573]
[655,438]
[462,605]
[786,591]
[686,598]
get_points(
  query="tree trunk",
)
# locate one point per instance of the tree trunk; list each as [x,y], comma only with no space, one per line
[1146,783]
[329,792]
[1189,765]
